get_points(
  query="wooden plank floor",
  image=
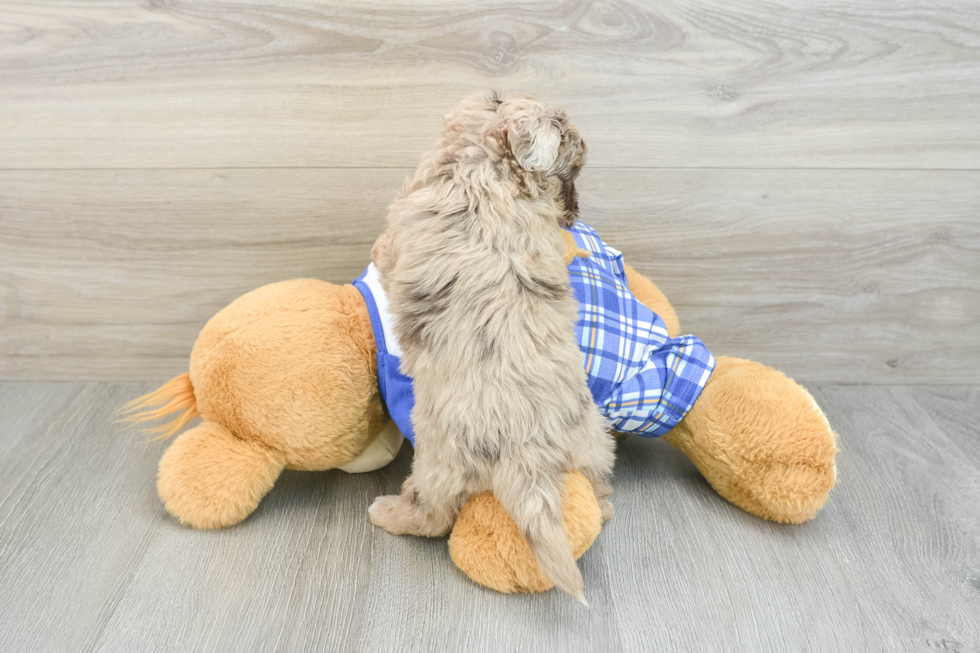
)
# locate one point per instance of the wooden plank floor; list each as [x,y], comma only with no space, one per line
[90,561]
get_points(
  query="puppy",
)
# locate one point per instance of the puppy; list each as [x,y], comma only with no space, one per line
[472,264]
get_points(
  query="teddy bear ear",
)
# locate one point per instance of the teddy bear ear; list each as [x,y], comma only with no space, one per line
[534,138]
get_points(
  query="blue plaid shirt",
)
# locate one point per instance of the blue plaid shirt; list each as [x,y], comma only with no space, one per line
[641,379]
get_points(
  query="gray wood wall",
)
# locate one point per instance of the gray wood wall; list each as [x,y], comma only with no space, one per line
[802,178]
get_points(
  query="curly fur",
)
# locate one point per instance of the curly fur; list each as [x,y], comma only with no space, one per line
[473,265]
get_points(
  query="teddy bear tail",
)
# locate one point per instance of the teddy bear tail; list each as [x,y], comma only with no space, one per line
[176,394]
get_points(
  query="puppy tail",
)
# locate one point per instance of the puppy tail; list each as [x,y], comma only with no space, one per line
[535,503]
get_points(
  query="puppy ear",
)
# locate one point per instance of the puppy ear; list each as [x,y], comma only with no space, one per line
[569,198]
[534,139]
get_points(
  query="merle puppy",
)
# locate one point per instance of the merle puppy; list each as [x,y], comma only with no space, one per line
[472,263]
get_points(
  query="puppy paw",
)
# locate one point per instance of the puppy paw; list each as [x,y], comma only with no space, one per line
[385,513]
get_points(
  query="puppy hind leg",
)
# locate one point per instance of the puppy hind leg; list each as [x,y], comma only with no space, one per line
[596,464]
[598,476]
[416,512]
[602,489]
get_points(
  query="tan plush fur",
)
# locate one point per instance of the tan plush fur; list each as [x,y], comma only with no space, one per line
[314,341]
[209,478]
[473,267]
[285,376]
[778,464]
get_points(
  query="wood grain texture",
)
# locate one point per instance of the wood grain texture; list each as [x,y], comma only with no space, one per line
[274,83]
[90,561]
[837,276]
[130,265]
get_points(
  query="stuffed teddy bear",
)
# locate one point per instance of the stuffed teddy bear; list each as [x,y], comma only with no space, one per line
[287,377]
